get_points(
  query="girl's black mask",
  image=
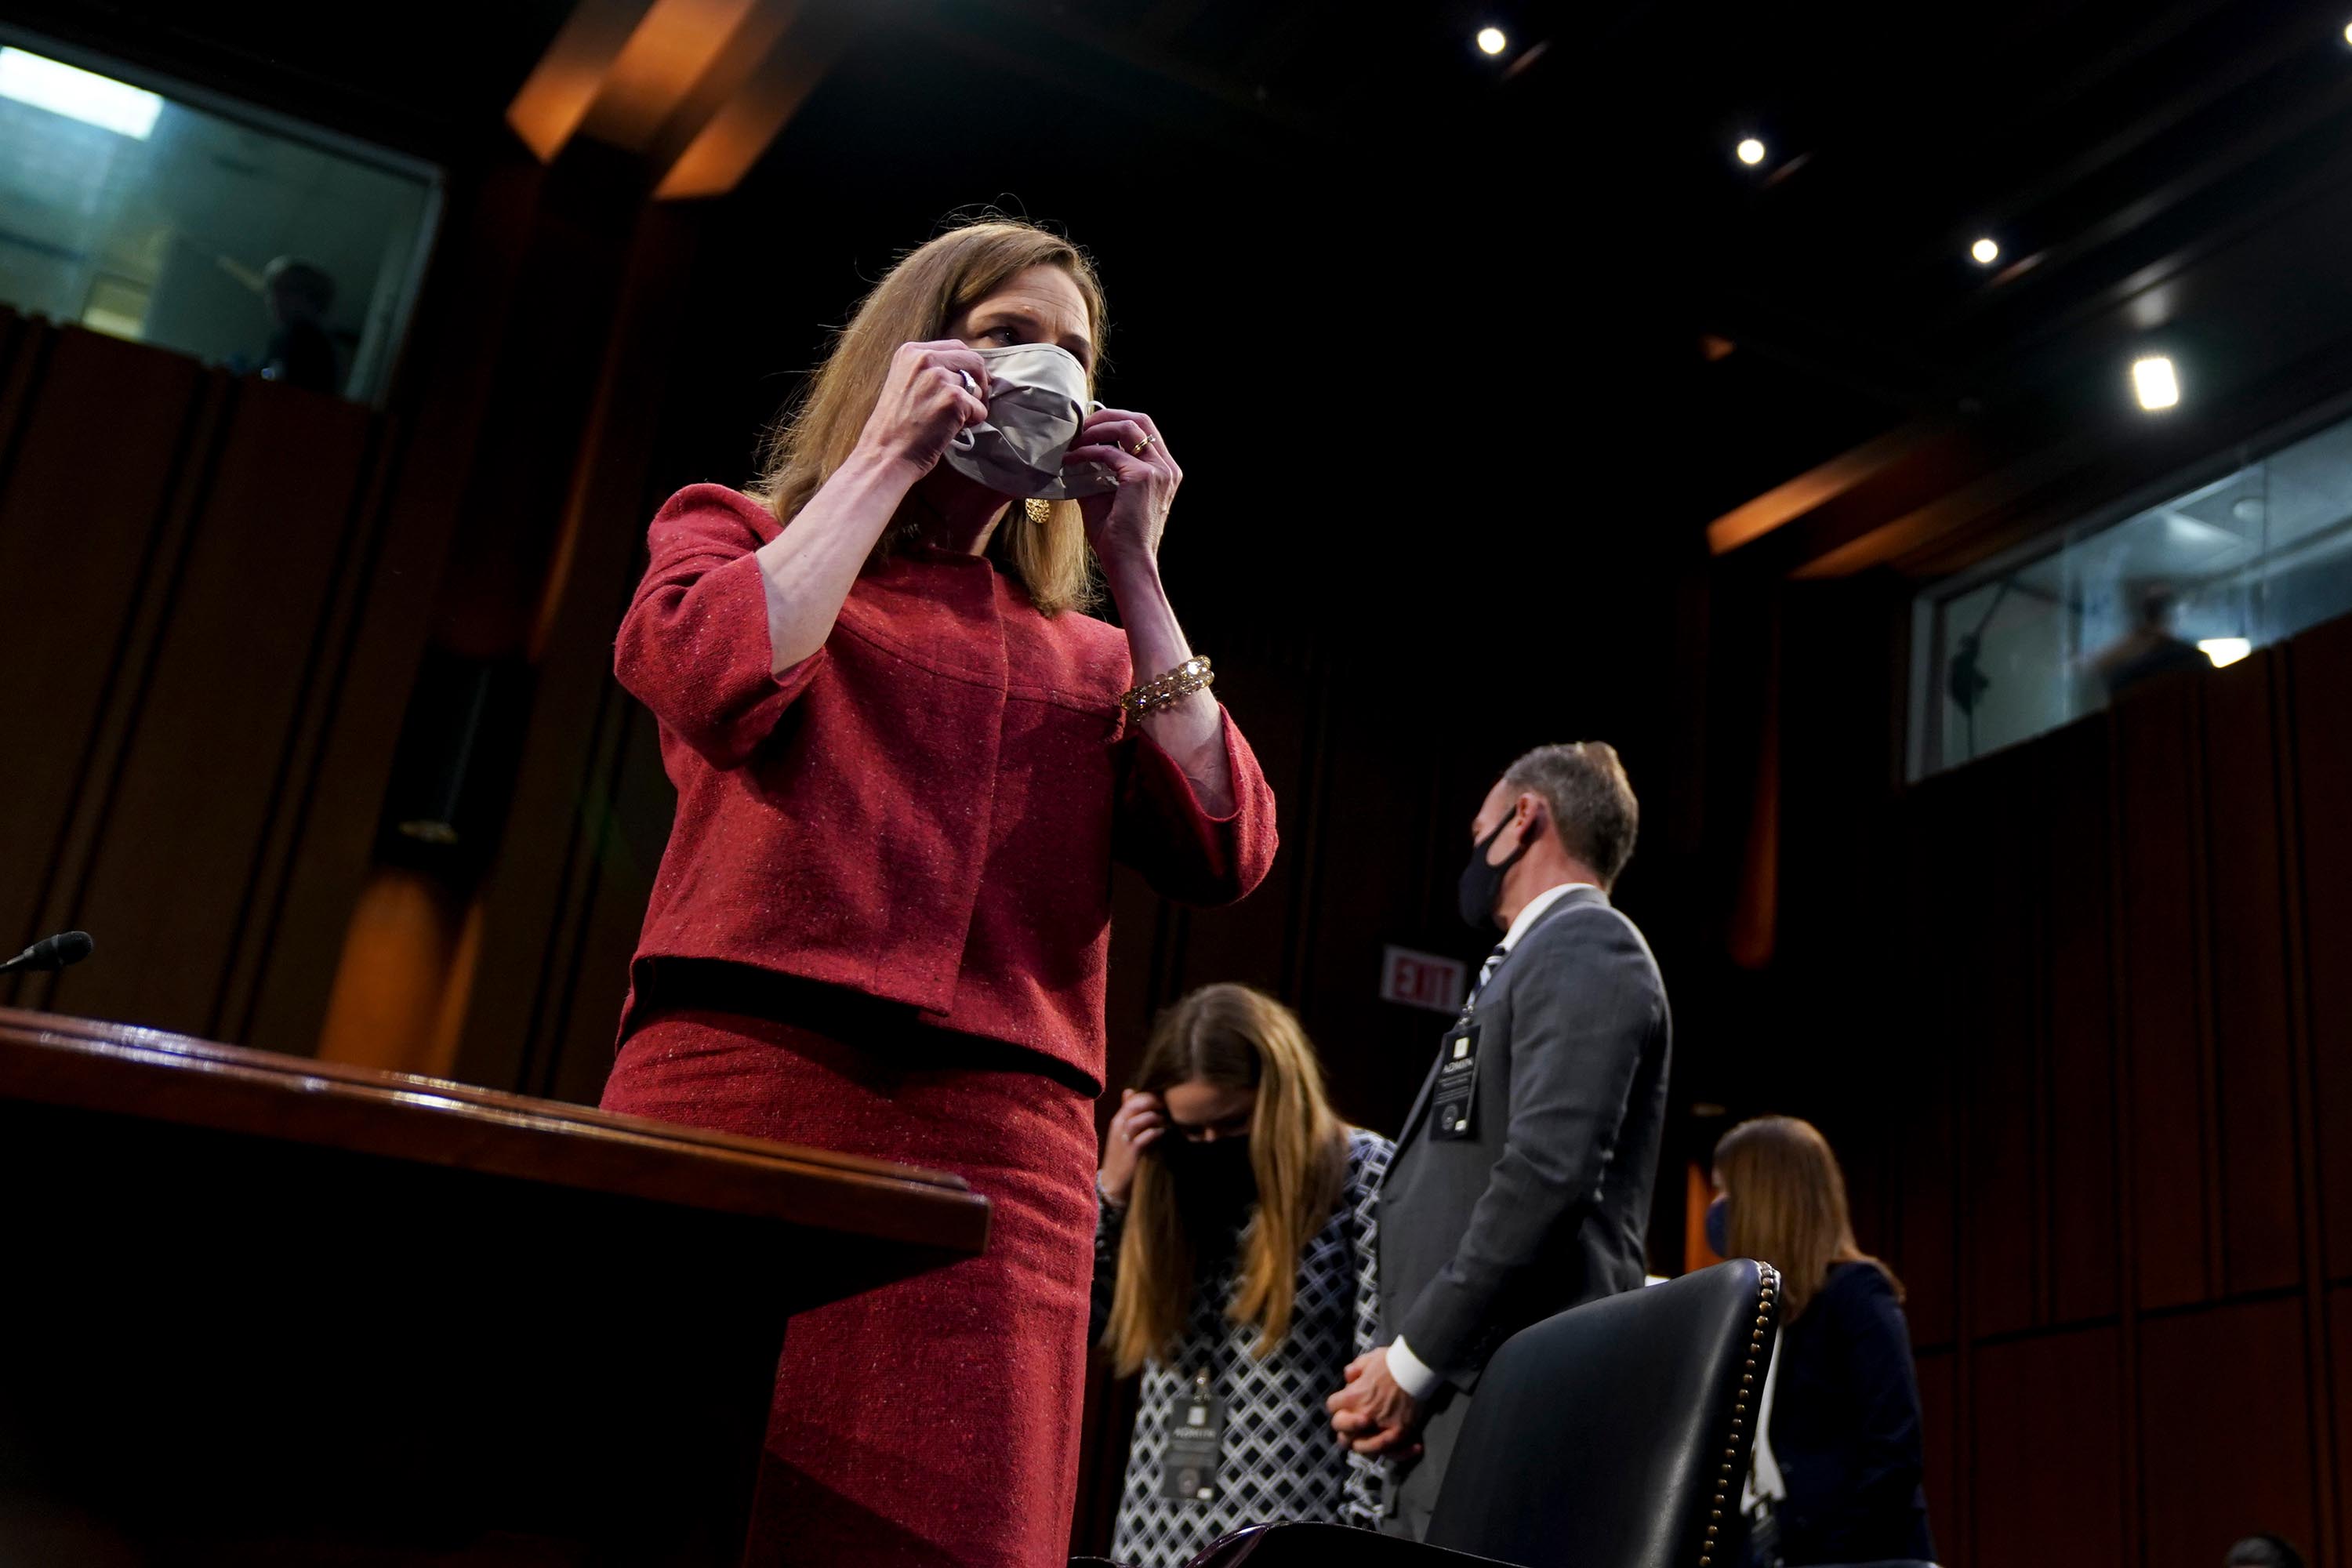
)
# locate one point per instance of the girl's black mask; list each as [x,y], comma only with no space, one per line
[1482,884]
[1215,1182]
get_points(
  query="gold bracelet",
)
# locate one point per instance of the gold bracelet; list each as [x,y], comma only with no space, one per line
[1162,692]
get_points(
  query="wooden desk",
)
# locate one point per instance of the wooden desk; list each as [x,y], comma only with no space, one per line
[257,1309]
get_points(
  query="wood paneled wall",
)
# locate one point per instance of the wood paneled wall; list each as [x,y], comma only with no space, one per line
[215,593]
[2102,1125]
[2079,1017]
[210,629]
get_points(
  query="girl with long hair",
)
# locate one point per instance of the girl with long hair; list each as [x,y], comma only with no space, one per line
[1836,1475]
[1235,1267]
[906,759]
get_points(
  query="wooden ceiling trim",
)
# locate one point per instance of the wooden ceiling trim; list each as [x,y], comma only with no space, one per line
[803,42]
[672,49]
[1785,503]
[561,89]
[696,88]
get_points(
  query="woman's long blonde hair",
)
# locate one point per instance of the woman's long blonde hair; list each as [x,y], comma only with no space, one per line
[1788,1205]
[930,287]
[1234,1037]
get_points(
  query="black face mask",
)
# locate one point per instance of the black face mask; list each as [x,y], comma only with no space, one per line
[1718,1227]
[1482,884]
[1215,1180]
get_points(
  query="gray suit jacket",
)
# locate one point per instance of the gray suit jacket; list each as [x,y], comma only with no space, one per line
[1547,1204]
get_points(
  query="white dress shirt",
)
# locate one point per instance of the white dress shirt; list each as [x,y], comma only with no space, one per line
[1412,1374]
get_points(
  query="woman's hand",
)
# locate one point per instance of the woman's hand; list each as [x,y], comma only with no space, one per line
[1135,1127]
[932,391]
[810,567]
[1124,527]
[1125,524]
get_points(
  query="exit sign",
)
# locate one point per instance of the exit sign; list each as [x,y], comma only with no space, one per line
[1421,979]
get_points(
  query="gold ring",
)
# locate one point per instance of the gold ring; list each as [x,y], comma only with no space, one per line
[1139,446]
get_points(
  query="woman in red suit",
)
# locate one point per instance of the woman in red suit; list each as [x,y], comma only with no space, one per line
[906,760]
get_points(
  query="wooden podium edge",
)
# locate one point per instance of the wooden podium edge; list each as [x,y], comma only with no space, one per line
[155,1074]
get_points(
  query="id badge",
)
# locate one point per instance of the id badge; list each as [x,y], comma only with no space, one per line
[1188,1473]
[1453,1106]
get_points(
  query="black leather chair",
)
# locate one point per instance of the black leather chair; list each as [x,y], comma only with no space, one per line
[1614,1436]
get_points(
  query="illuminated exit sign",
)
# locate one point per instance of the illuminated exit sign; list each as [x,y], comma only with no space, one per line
[1421,979]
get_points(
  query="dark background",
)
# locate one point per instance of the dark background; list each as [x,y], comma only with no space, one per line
[1462,359]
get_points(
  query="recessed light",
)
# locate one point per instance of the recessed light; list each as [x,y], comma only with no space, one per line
[1752,151]
[79,94]
[2347,32]
[1491,41]
[1986,251]
[2154,379]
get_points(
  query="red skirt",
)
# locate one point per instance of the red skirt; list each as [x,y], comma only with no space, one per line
[932,1422]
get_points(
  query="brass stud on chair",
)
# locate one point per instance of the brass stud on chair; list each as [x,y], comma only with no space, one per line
[1767,1281]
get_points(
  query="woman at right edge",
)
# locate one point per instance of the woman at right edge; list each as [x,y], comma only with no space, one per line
[1835,1478]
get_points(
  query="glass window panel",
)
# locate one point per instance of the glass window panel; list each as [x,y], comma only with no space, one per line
[2197,580]
[211,228]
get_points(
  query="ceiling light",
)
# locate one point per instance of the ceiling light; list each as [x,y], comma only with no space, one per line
[1752,151]
[2347,32]
[78,94]
[1491,41]
[1986,251]
[2153,380]
[2224,650]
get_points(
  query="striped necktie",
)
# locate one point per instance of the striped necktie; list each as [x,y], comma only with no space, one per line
[1485,973]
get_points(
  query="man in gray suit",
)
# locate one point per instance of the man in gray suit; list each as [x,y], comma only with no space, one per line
[1521,1185]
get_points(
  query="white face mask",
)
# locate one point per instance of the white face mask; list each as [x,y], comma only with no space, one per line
[1036,401]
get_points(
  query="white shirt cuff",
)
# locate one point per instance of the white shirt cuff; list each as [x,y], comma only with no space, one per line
[1412,1373]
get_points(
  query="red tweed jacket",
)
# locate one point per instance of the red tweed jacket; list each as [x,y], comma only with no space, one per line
[928,808]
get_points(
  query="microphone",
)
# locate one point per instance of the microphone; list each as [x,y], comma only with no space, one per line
[52,953]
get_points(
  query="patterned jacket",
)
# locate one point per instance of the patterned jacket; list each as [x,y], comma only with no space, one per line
[1279,1460]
